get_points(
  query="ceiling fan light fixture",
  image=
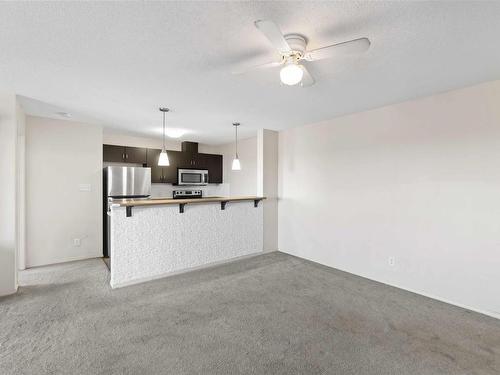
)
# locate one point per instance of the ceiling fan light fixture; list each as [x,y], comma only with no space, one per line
[291,74]
[293,48]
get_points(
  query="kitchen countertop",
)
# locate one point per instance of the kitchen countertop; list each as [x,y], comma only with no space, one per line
[162,201]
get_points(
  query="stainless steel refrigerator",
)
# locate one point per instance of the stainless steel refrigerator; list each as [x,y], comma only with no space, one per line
[122,182]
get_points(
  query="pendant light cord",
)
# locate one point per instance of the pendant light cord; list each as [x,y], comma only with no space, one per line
[163,131]
[236,141]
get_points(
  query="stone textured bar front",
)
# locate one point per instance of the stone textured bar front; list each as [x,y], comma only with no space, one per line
[157,240]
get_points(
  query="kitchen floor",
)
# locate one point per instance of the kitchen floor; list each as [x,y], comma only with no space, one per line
[271,314]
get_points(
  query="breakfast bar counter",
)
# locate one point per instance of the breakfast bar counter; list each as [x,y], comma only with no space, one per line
[154,238]
[129,203]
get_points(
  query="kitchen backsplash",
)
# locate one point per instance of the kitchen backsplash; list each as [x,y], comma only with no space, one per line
[165,190]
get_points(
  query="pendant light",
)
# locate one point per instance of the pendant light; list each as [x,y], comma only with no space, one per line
[236,162]
[163,159]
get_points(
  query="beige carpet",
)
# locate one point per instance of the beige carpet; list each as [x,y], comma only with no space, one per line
[272,314]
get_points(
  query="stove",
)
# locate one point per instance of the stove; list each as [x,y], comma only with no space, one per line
[187,194]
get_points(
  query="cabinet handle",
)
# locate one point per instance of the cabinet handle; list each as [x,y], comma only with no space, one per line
[123,156]
[126,156]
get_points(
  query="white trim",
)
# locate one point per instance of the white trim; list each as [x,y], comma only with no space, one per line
[489,313]
[492,314]
[90,255]
[168,274]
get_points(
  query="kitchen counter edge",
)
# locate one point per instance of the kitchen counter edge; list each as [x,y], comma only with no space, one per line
[157,202]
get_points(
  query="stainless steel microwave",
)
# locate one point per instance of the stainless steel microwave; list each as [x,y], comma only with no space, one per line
[192,176]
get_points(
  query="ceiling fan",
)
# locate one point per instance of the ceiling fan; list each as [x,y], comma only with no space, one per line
[293,49]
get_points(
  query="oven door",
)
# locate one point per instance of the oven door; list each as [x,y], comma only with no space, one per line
[192,177]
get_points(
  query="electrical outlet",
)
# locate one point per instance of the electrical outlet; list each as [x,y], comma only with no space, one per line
[391,261]
[77,242]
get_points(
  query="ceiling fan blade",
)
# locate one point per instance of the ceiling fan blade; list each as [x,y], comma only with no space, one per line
[307,79]
[345,48]
[273,34]
[247,69]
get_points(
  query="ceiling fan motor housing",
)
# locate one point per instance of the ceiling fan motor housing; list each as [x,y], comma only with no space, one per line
[297,44]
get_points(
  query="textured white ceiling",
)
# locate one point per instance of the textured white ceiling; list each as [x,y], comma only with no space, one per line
[115,63]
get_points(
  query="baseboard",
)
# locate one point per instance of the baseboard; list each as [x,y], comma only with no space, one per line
[491,314]
[465,307]
[174,273]
[68,260]
[9,292]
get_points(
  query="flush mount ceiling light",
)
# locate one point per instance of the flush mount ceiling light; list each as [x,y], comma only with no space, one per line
[295,57]
[163,159]
[236,166]
[291,73]
[64,114]
[175,133]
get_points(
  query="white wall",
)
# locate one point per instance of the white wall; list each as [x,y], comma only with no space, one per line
[267,184]
[113,138]
[60,157]
[418,181]
[243,182]
[21,187]
[8,196]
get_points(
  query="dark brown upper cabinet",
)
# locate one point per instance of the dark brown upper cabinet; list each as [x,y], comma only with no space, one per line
[152,162]
[213,163]
[113,153]
[189,158]
[136,155]
[189,147]
[191,161]
[163,174]
[170,172]
[122,154]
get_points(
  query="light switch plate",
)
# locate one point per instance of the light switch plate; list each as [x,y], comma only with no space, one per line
[84,187]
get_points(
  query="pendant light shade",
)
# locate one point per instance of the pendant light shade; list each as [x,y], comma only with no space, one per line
[163,159]
[236,166]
